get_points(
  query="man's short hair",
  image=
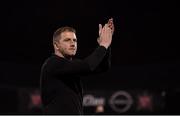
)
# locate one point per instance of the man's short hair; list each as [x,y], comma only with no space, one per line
[60,30]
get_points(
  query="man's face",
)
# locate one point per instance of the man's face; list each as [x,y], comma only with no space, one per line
[67,44]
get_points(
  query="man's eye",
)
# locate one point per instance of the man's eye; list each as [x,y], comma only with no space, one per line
[67,40]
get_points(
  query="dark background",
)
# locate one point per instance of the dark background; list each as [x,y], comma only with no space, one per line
[144,49]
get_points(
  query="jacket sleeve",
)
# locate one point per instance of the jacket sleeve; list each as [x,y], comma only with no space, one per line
[78,67]
[105,63]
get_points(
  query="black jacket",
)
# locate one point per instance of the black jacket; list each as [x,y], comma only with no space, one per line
[60,84]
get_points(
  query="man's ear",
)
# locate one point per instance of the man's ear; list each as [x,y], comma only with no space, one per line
[56,45]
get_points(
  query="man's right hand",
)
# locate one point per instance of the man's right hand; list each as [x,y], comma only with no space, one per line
[105,33]
[105,36]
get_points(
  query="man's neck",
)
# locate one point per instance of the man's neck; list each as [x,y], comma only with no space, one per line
[63,56]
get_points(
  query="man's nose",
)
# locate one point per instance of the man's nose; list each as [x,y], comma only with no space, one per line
[72,43]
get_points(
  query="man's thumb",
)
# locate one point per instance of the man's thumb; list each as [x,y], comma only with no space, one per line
[100,28]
